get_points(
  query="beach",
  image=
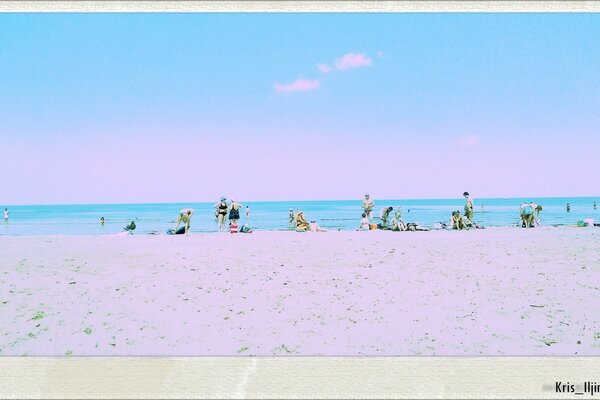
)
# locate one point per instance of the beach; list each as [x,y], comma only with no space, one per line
[491,292]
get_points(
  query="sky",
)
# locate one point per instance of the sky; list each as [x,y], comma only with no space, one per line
[142,108]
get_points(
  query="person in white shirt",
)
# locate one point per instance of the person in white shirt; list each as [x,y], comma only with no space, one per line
[364,223]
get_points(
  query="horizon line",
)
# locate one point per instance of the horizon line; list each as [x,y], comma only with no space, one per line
[283,201]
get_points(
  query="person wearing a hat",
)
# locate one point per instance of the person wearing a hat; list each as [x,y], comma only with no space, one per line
[301,222]
[368,204]
[185,216]
[221,210]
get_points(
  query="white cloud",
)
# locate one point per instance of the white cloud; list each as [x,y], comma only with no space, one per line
[299,85]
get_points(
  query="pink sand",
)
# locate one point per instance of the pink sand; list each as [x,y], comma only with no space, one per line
[503,291]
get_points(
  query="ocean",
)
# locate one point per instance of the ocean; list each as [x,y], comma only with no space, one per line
[83,219]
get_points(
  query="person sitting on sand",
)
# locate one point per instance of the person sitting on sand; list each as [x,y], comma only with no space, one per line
[397,224]
[456,221]
[234,212]
[245,229]
[383,216]
[131,227]
[364,223]
[368,204]
[301,223]
[185,216]
[221,212]
[314,227]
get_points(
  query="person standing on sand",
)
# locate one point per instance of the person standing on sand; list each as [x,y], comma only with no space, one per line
[367,206]
[536,213]
[102,221]
[221,210]
[234,212]
[6,215]
[185,216]
[292,221]
[468,206]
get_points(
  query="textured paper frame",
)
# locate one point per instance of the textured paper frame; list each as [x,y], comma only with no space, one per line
[300,377]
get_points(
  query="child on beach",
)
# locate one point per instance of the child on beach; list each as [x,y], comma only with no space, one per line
[364,223]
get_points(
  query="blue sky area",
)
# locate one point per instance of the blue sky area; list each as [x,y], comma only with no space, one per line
[185,107]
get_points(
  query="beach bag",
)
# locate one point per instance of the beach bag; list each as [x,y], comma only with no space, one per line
[245,229]
[581,224]
[233,228]
[373,227]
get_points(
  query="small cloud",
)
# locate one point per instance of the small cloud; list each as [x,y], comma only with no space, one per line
[382,55]
[351,60]
[467,141]
[324,68]
[300,85]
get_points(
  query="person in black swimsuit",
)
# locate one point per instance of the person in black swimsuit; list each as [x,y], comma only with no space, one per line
[234,212]
[221,209]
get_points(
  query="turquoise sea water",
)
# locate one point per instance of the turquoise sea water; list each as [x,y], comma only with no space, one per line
[334,215]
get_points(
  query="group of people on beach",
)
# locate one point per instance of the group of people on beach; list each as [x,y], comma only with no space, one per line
[529,217]
[457,221]
[223,212]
